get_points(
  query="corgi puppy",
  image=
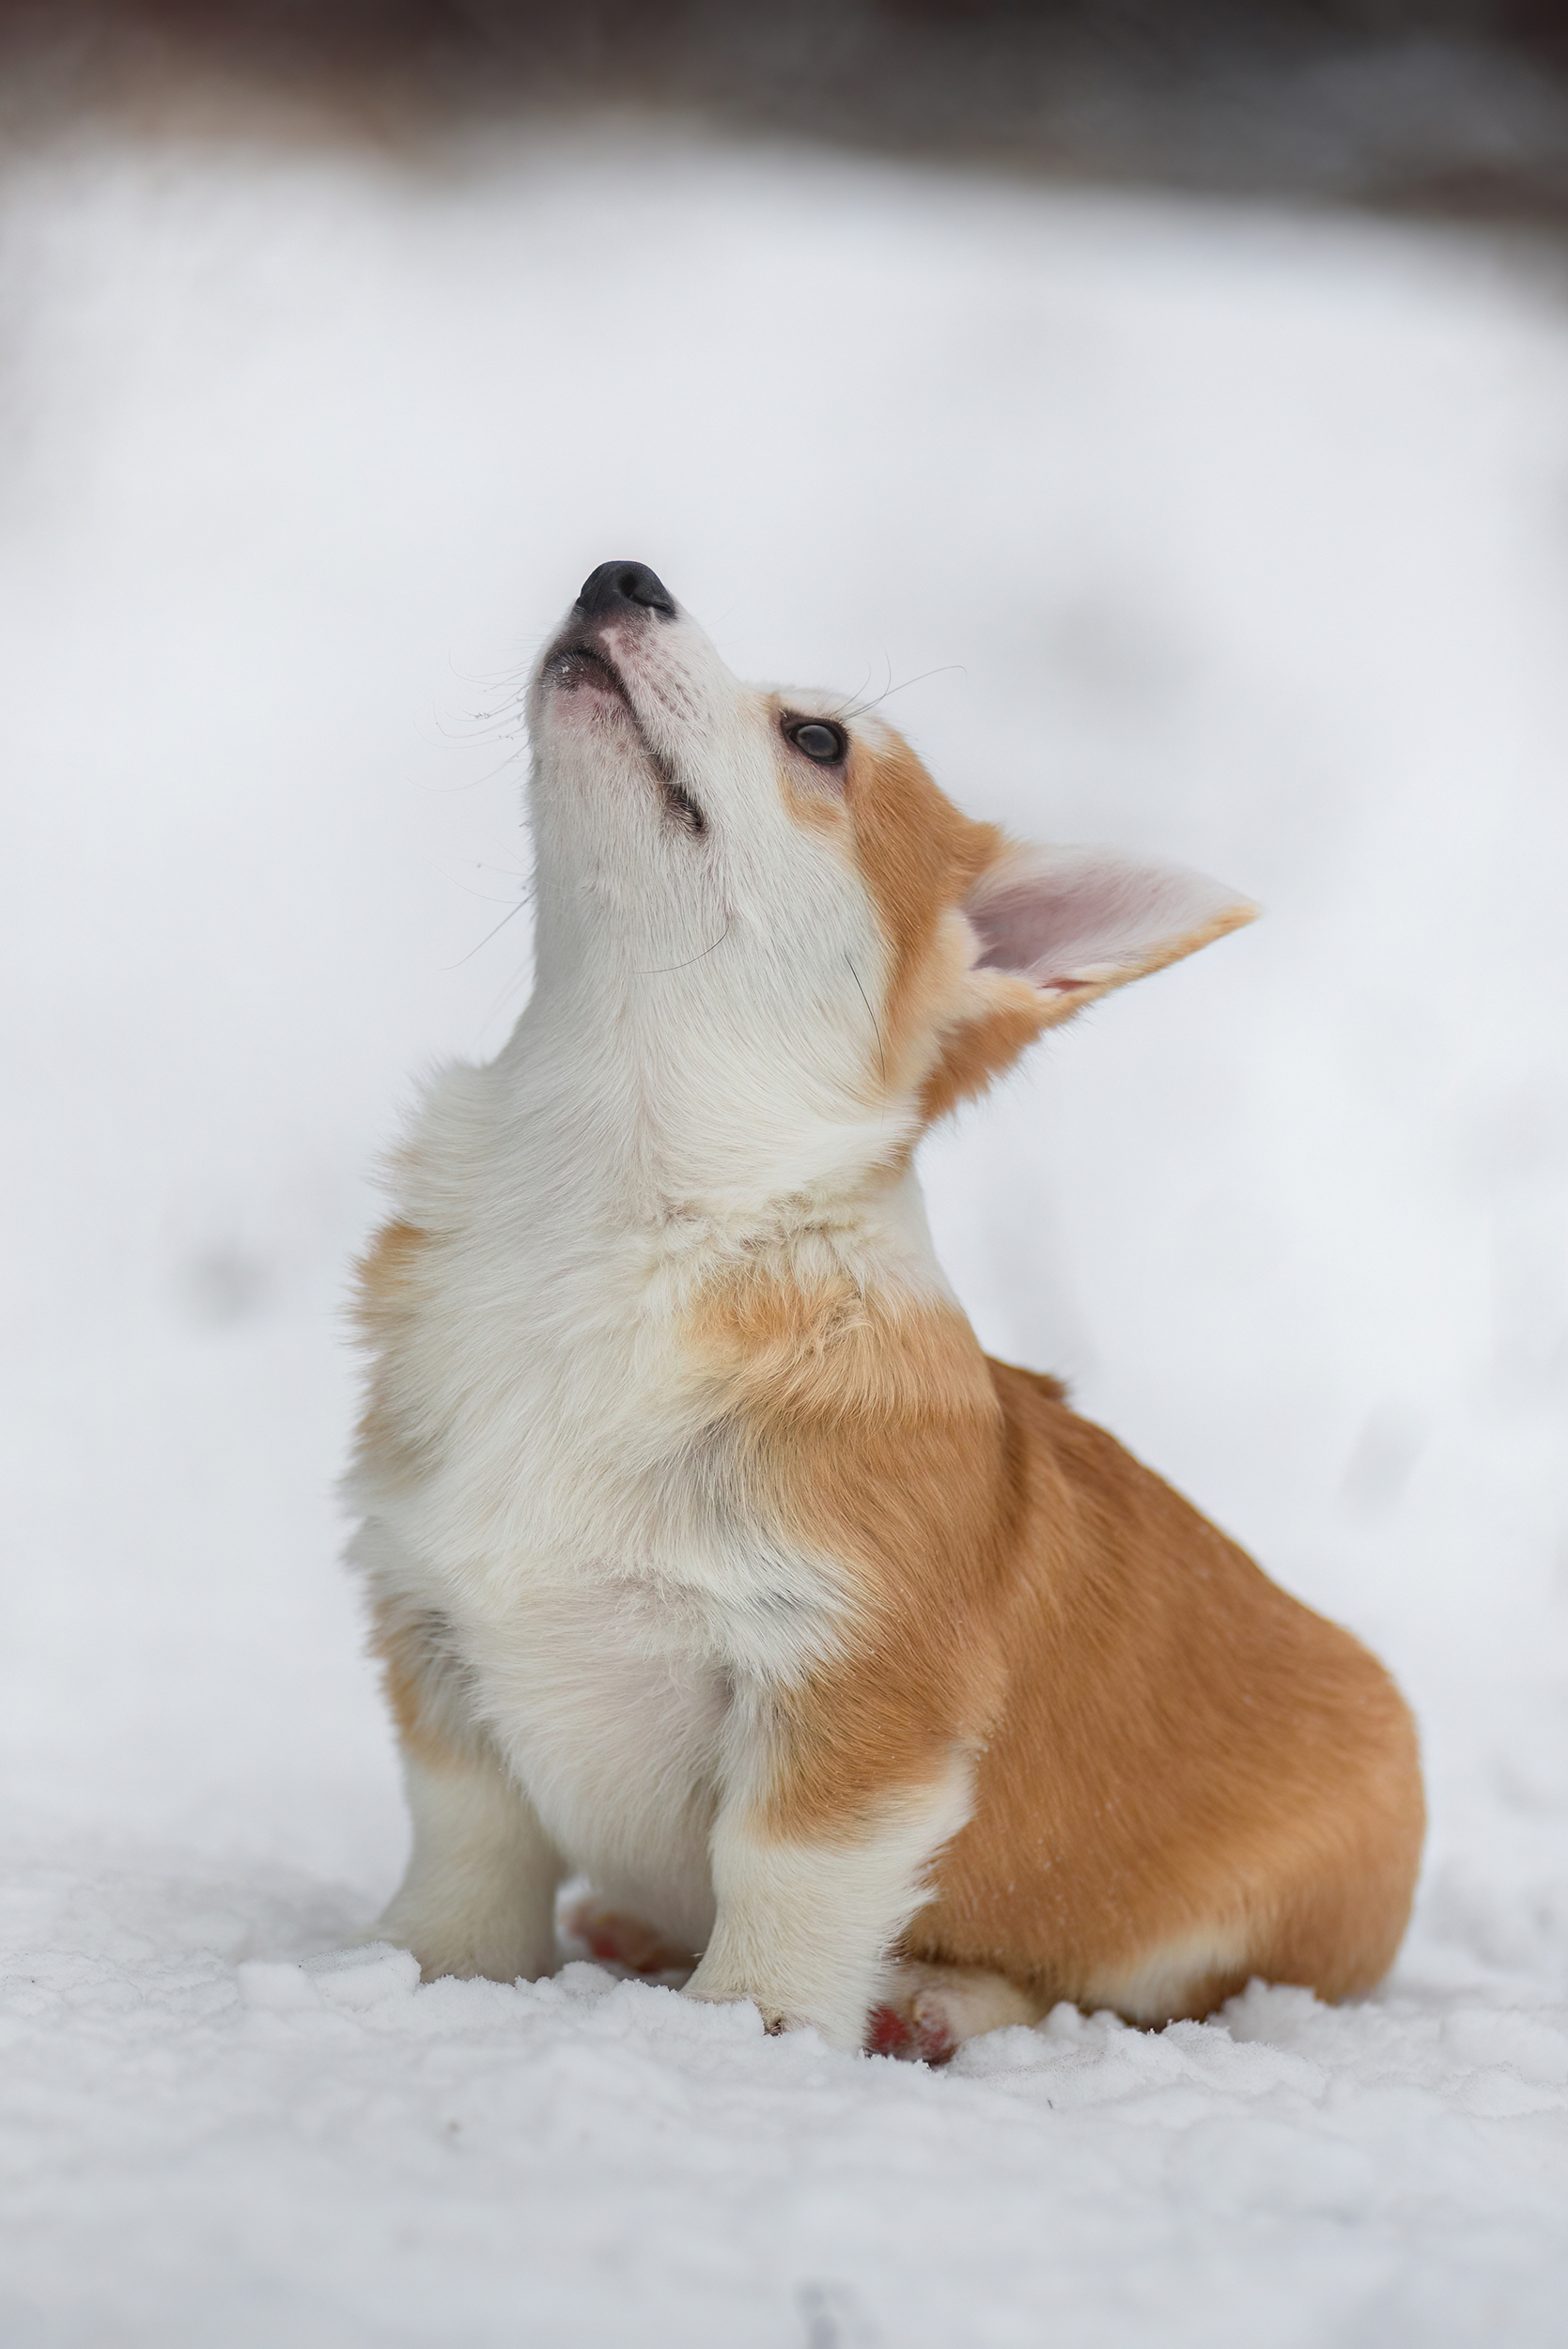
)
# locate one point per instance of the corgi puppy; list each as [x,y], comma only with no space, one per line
[707,1555]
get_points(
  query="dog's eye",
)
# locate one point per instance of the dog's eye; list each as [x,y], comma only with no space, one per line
[825,743]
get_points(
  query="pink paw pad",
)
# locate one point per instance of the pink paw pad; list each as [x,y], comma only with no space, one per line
[616,1940]
[888,2033]
[923,2035]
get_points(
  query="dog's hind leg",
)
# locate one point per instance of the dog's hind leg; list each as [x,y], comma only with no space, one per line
[926,2012]
[614,1937]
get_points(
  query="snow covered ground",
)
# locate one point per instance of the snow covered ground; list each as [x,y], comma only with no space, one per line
[1240,538]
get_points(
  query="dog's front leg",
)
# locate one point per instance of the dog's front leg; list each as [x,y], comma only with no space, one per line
[813,1878]
[478,1896]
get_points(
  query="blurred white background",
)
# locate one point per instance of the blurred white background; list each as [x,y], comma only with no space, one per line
[1236,538]
[1219,533]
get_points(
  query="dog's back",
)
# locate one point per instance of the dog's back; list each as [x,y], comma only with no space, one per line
[1234,1786]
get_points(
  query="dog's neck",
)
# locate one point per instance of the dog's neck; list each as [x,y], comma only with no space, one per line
[636,1124]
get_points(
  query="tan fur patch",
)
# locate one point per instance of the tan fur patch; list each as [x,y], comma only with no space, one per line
[977,1050]
[1185,1754]
[944,1029]
[1183,1777]
[425,1683]
[383,1279]
[384,1301]
[852,1411]
[919,856]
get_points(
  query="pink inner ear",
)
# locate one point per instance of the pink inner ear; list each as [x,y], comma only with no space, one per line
[1086,917]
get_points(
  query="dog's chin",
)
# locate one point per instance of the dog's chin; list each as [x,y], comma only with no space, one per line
[583,706]
[577,671]
[583,693]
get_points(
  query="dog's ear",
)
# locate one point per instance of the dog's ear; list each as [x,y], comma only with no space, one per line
[1054,928]
[1076,921]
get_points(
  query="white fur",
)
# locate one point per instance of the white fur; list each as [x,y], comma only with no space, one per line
[941,2006]
[479,1893]
[803,1927]
[694,1085]
[1170,1976]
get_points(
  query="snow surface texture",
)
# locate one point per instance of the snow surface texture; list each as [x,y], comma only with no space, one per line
[1229,537]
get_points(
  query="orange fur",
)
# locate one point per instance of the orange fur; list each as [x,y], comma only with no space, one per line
[920,858]
[835,1395]
[423,1681]
[383,1279]
[1183,1777]
[385,1300]
[1181,1772]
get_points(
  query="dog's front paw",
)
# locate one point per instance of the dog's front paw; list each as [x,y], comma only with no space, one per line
[780,2011]
[774,2019]
[493,1949]
[713,1989]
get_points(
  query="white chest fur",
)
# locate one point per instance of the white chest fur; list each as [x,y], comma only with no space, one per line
[568,1505]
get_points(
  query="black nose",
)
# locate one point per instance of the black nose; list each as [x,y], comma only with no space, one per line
[615,584]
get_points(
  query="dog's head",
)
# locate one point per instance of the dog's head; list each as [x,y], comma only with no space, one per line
[771,891]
